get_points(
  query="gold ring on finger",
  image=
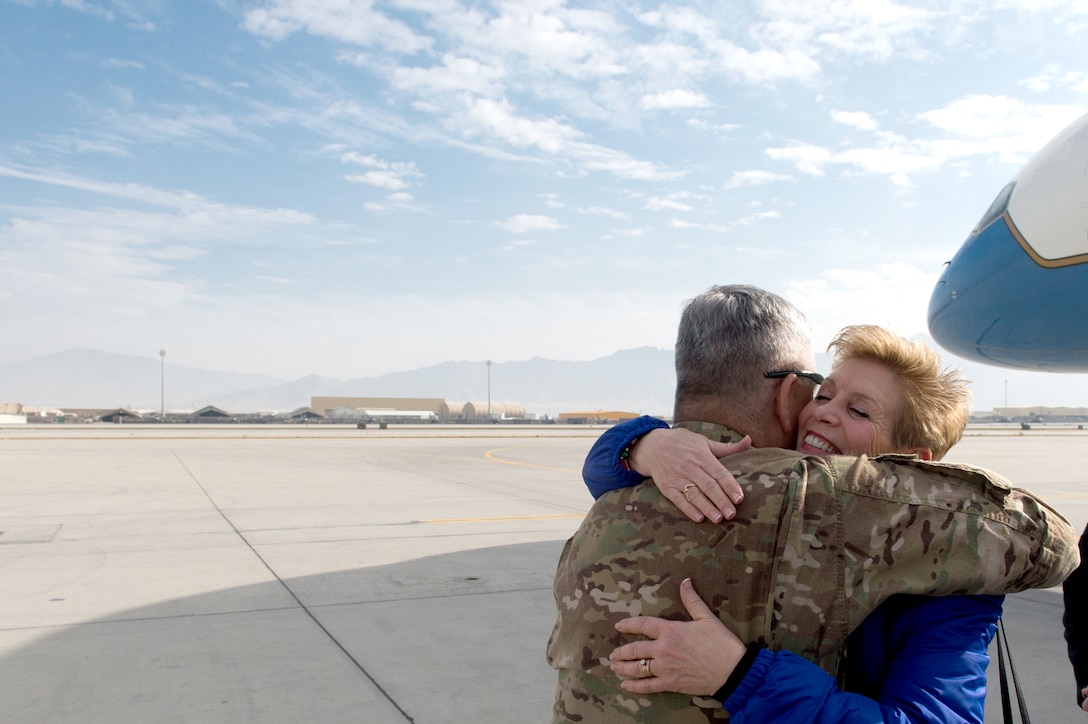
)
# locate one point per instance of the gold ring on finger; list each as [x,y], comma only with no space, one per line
[687,489]
[644,668]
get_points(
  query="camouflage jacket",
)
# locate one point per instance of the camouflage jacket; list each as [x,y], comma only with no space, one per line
[818,543]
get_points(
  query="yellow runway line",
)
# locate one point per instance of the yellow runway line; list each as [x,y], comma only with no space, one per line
[490,455]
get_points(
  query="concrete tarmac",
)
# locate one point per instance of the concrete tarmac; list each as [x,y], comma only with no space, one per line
[331,574]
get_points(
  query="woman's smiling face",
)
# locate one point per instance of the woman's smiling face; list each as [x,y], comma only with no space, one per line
[854,412]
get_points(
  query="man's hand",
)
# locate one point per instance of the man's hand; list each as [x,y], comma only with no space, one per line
[685,467]
[1084,693]
[691,657]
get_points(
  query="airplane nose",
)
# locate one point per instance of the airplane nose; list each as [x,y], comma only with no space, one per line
[994,304]
[1013,295]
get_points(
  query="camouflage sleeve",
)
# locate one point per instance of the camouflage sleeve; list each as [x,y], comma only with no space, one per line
[949,529]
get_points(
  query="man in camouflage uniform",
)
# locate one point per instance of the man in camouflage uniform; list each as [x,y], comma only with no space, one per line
[818,544]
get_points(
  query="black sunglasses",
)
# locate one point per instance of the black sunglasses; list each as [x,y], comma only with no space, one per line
[814,376]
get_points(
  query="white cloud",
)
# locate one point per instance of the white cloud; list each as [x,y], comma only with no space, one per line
[656,203]
[694,225]
[598,158]
[382,179]
[1053,77]
[808,159]
[121,127]
[1008,127]
[387,175]
[664,61]
[497,120]
[675,99]
[176,252]
[280,281]
[868,28]
[713,127]
[523,223]
[454,75]
[754,177]
[757,217]
[718,55]
[889,161]
[356,23]
[766,66]
[855,119]
[895,295]
[195,204]
[604,211]
[520,244]
[550,38]
[122,64]
[89,8]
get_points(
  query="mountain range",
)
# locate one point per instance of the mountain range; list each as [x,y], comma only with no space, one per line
[640,380]
[636,380]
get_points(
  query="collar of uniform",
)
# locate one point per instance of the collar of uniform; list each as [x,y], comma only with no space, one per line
[712,430]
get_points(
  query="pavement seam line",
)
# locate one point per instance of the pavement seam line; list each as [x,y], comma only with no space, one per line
[301,605]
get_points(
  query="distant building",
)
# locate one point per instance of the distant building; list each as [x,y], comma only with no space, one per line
[498,411]
[415,409]
[596,416]
[325,405]
[43,414]
[1040,414]
[401,416]
[120,415]
[12,413]
[451,411]
[83,414]
[210,413]
[303,414]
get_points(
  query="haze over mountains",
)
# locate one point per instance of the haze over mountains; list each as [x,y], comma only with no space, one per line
[637,380]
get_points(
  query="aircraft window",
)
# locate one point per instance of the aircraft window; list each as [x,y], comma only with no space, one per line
[997,208]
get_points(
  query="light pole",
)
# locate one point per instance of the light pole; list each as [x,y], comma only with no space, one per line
[1006,394]
[489,390]
[162,390]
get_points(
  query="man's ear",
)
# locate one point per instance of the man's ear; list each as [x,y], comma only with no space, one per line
[786,409]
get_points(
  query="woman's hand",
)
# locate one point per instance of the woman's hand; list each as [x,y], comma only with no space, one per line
[685,467]
[691,657]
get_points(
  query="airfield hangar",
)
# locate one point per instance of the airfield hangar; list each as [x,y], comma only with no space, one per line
[414,408]
[479,410]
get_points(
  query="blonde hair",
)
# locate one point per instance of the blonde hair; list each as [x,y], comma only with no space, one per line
[936,403]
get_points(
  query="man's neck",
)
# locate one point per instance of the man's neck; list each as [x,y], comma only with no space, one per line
[711,430]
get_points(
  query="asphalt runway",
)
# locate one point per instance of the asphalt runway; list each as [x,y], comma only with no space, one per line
[331,574]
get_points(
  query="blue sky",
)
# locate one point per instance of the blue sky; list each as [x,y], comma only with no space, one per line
[351,188]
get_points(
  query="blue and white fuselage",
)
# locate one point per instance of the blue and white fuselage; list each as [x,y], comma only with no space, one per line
[1016,293]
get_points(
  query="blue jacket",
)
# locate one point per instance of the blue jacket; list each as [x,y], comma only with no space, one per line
[913,659]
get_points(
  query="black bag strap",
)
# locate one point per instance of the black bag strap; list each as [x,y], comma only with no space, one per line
[1003,654]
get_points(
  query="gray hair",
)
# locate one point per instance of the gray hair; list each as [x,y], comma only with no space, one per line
[728,337]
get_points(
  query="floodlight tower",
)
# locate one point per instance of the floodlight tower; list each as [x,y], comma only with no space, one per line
[162,389]
[489,390]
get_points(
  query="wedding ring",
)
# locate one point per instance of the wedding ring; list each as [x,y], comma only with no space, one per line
[644,668]
[688,488]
